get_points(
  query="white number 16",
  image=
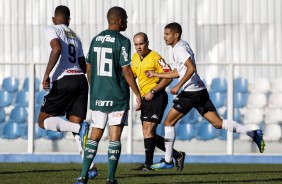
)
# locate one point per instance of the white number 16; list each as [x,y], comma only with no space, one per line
[102,61]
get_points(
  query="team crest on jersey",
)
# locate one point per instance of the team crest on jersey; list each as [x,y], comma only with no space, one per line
[164,66]
[69,33]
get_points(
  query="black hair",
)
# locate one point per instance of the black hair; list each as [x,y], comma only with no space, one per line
[175,27]
[63,10]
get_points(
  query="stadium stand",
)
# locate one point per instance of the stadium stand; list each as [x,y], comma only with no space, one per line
[26,84]
[206,131]
[218,84]
[257,100]
[275,100]
[272,132]
[12,130]
[2,115]
[6,99]
[218,99]
[21,98]
[260,85]
[276,86]
[10,84]
[51,135]
[241,85]
[185,131]
[19,114]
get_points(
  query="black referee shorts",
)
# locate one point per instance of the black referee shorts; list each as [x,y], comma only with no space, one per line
[200,100]
[68,96]
[152,111]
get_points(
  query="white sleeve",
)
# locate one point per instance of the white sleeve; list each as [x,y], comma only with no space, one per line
[182,54]
[50,34]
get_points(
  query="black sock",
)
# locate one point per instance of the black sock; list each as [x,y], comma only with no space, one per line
[149,144]
[160,143]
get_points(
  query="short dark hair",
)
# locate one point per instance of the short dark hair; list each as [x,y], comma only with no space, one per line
[175,27]
[142,34]
[116,12]
[63,11]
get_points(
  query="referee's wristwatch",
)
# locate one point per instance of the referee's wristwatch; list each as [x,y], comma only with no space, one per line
[152,91]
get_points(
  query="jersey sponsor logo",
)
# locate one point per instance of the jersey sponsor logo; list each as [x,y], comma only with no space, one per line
[113,151]
[89,150]
[124,53]
[163,64]
[104,103]
[73,71]
[89,156]
[106,38]
[118,114]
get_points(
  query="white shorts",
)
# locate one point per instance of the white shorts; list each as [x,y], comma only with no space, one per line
[100,119]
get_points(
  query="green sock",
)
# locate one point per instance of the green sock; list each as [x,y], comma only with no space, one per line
[89,154]
[113,157]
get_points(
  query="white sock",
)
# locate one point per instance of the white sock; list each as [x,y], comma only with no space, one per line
[169,142]
[233,126]
[60,125]
[78,142]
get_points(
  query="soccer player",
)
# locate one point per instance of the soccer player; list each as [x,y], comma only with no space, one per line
[69,92]
[110,75]
[191,93]
[154,98]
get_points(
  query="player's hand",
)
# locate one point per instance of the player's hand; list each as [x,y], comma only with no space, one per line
[174,90]
[46,83]
[149,73]
[149,96]
[138,100]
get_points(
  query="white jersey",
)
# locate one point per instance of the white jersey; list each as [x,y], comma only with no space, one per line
[182,52]
[71,50]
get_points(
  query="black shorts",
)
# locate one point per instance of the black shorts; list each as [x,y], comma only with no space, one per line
[68,96]
[152,111]
[200,100]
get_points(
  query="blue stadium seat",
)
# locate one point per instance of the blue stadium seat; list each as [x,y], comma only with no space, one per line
[236,115]
[241,85]
[192,117]
[21,98]
[184,131]
[206,131]
[218,99]
[2,115]
[26,84]
[52,135]
[38,132]
[223,135]
[240,99]
[6,98]
[219,85]
[39,96]
[19,114]
[12,130]
[10,84]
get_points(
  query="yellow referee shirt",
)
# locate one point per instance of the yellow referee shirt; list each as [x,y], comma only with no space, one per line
[153,61]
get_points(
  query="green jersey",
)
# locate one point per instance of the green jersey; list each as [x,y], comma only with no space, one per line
[108,53]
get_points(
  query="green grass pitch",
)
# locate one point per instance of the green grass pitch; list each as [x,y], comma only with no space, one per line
[41,173]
